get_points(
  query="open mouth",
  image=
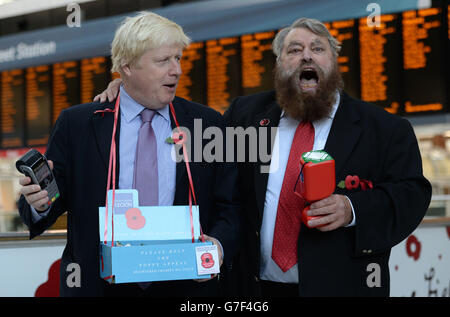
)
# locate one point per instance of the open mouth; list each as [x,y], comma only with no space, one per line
[308,79]
[170,86]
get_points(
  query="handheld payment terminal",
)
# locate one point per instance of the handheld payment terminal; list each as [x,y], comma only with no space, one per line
[34,165]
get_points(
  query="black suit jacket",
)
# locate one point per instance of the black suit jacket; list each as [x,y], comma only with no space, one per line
[366,141]
[79,147]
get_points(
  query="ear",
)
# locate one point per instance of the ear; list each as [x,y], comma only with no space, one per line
[126,69]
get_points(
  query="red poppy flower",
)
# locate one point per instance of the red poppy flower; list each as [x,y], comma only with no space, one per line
[135,219]
[179,137]
[207,260]
[352,182]
[264,122]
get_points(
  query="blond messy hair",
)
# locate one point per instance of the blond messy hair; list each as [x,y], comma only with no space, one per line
[145,31]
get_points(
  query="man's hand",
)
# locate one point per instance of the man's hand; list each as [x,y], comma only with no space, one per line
[335,211]
[219,251]
[33,194]
[111,91]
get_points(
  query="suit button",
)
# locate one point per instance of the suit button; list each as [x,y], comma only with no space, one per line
[364,251]
[257,233]
[369,251]
[256,279]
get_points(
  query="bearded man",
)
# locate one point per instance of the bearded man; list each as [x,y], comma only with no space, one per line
[345,250]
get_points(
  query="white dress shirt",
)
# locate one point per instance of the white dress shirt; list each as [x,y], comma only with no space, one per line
[130,123]
[269,270]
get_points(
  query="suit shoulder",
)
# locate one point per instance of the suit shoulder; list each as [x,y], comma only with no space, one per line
[372,112]
[198,110]
[87,108]
[248,106]
[255,100]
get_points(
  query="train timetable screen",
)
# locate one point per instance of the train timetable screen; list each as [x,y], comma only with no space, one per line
[13,108]
[66,86]
[346,33]
[380,62]
[400,65]
[257,62]
[222,72]
[38,104]
[95,77]
[424,60]
[192,83]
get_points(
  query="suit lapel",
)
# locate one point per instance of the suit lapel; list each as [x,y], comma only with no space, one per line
[344,134]
[271,117]
[102,123]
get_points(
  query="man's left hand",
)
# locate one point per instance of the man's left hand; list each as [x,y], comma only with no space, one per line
[219,251]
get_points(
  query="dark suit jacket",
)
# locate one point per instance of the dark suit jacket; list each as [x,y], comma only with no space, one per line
[79,147]
[366,141]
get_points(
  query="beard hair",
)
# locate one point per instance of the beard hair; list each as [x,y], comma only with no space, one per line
[303,105]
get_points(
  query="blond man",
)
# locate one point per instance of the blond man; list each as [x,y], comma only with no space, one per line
[146,51]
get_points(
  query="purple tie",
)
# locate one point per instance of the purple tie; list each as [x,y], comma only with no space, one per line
[146,163]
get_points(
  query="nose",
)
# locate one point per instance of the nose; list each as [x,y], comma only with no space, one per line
[306,56]
[175,68]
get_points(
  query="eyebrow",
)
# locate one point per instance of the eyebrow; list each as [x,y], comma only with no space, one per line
[294,43]
[315,42]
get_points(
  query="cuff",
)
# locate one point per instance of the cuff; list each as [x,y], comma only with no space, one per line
[353,222]
[36,216]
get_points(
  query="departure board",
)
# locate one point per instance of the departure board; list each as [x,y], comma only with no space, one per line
[346,33]
[223,72]
[423,61]
[109,67]
[380,62]
[257,62]
[400,65]
[38,104]
[192,83]
[12,108]
[95,77]
[66,86]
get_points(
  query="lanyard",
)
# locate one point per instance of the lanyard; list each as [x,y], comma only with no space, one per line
[112,172]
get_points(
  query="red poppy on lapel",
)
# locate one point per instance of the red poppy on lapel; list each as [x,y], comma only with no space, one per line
[177,138]
[264,122]
[353,182]
[103,111]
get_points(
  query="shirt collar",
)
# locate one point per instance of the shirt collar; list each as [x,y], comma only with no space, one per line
[130,109]
[333,108]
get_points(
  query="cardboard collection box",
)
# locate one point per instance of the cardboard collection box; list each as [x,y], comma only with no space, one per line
[152,243]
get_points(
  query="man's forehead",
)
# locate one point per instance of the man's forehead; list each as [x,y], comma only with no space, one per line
[165,49]
[302,36]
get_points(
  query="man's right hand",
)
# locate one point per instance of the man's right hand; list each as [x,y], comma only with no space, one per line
[33,194]
[111,91]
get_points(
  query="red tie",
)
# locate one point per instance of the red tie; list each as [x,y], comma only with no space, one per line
[287,224]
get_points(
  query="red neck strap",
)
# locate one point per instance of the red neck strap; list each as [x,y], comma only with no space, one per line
[112,173]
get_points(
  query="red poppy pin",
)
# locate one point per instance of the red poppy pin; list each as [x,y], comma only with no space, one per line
[177,138]
[353,182]
[264,122]
[103,111]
